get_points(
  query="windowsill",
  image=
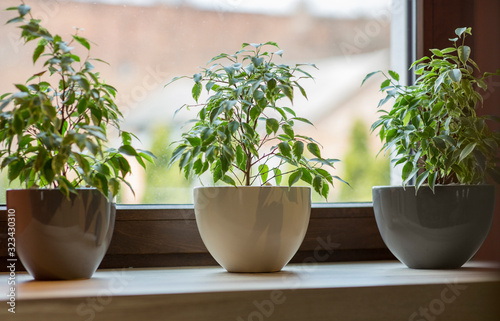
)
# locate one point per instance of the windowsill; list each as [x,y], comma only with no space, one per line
[167,236]
[344,291]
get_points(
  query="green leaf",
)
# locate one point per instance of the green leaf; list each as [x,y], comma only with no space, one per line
[394,75]
[241,158]
[284,148]
[325,190]
[368,76]
[194,141]
[102,168]
[460,31]
[306,175]
[47,172]
[325,174]
[23,9]
[303,120]
[206,134]
[467,150]
[228,180]
[114,186]
[14,20]
[37,52]
[432,180]
[101,183]
[197,77]
[314,149]
[439,142]
[407,170]
[277,176]
[83,163]
[82,106]
[22,88]
[455,75]
[18,124]
[287,129]
[248,130]
[150,157]
[257,61]
[263,171]
[233,126]
[271,84]
[272,125]
[302,90]
[464,53]
[384,84]
[211,153]
[290,111]
[439,81]
[448,50]
[185,159]
[126,138]
[318,184]
[436,52]
[294,177]
[15,168]
[255,112]
[40,159]
[341,180]
[298,149]
[197,91]
[127,150]
[178,152]
[228,152]
[84,42]
[420,180]
[288,91]
[84,83]
[58,163]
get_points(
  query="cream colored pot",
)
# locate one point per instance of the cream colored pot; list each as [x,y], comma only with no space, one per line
[250,228]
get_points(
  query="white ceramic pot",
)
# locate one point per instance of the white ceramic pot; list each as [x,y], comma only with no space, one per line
[250,228]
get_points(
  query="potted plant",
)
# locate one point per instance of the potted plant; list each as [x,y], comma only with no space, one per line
[244,135]
[53,135]
[433,130]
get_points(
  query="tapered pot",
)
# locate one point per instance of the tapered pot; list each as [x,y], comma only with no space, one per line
[252,229]
[59,238]
[440,230]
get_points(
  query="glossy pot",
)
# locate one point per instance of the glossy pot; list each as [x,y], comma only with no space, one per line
[57,238]
[252,229]
[440,230]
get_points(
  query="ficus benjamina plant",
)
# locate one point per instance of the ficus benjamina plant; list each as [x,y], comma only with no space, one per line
[432,128]
[53,129]
[244,132]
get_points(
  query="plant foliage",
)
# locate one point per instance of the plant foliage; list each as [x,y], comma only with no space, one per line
[53,132]
[245,114]
[433,128]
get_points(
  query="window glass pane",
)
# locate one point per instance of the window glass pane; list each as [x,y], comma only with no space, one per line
[148,42]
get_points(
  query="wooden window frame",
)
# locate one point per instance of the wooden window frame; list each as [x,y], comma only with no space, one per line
[166,235]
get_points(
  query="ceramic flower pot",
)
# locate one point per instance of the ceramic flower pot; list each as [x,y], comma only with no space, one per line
[57,238]
[440,230]
[252,229]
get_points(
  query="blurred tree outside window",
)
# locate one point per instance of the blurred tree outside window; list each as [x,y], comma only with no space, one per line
[148,42]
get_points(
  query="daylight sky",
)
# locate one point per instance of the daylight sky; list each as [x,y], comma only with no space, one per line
[334,8]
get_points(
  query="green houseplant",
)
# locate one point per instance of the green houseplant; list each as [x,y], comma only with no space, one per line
[244,132]
[53,136]
[433,130]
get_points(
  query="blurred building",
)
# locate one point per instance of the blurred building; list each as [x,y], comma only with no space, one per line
[149,42]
